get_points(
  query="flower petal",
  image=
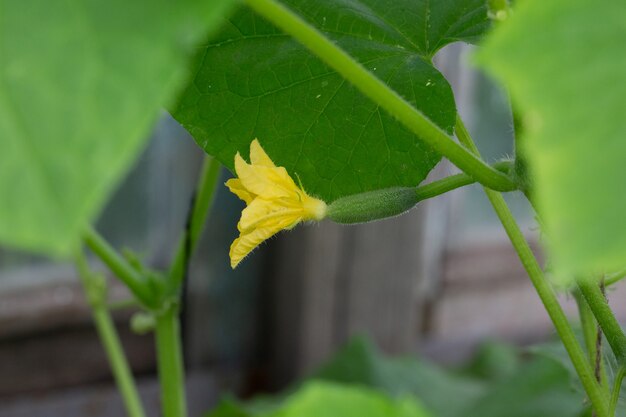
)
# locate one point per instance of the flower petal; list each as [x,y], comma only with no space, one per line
[236,187]
[258,155]
[266,213]
[246,242]
[263,181]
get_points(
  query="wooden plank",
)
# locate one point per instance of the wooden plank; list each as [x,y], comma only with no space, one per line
[332,282]
[103,400]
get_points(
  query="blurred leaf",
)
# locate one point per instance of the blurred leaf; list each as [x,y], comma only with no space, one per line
[82,83]
[360,363]
[326,399]
[253,81]
[493,361]
[229,408]
[564,61]
[540,389]
[540,386]
[556,351]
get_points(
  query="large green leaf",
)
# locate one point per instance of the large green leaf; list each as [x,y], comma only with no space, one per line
[81,84]
[360,363]
[253,81]
[326,399]
[565,63]
[540,389]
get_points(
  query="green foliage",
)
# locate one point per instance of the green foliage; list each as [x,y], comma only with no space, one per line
[541,388]
[564,62]
[82,83]
[253,81]
[359,363]
[538,387]
[328,399]
[493,361]
[555,351]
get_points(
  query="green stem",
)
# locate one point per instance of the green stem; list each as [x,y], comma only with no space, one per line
[605,317]
[118,265]
[588,324]
[550,302]
[615,277]
[590,335]
[453,182]
[617,387]
[380,93]
[96,290]
[205,194]
[170,363]
[595,393]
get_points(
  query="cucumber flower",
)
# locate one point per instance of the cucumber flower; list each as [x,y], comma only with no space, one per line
[274,202]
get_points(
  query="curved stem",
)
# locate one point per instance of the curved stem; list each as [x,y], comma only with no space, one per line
[205,194]
[590,334]
[588,324]
[595,393]
[170,363]
[615,277]
[605,317]
[617,387]
[550,302]
[119,266]
[167,331]
[96,290]
[380,93]
[442,186]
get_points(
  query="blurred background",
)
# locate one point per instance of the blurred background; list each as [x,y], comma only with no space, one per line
[436,282]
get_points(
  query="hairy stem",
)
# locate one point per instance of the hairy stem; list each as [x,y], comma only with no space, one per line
[453,182]
[615,277]
[119,266]
[167,331]
[605,317]
[581,364]
[170,363]
[380,93]
[205,194]
[95,290]
[590,331]
[617,387]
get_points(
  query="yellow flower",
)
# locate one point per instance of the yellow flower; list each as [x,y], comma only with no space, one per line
[274,202]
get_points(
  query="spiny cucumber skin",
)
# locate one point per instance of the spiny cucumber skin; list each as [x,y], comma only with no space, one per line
[372,205]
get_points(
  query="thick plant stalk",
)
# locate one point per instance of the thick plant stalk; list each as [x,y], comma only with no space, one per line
[170,363]
[597,396]
[95,290]
[163,305]
[605,317]
[167,331]
[590,335]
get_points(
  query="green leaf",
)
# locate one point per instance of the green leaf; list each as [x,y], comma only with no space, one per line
[360,363]
[493,361]
[228,408]
[326,399]
[540,389]
[82,83]
[253,81]
[564,61]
